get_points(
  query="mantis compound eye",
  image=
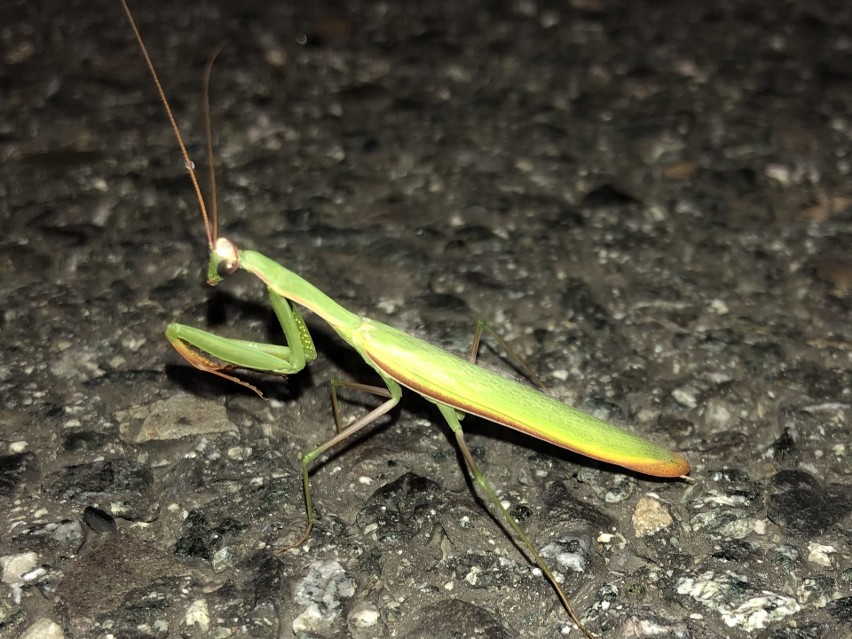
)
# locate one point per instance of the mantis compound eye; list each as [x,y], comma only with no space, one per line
[229,257]
[224,269]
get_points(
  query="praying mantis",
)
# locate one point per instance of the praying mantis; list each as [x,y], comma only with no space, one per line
[455,385]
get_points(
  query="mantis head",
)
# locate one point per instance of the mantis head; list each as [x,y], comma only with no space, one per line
[224,261]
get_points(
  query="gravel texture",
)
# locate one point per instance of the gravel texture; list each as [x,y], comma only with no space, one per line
[650,200]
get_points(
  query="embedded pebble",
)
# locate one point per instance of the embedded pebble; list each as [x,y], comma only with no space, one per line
[649,517]
[740,603]
[320,592]
[820,554]
[364,617]
[43,628]
[198,615]
[14,567]
[173,418]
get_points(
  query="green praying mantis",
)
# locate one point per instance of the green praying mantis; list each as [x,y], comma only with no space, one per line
[457,386]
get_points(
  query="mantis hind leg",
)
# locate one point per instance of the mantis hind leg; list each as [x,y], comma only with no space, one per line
[483,327]
[392,392]
[452,419]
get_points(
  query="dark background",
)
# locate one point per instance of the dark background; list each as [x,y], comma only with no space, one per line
[649,199]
